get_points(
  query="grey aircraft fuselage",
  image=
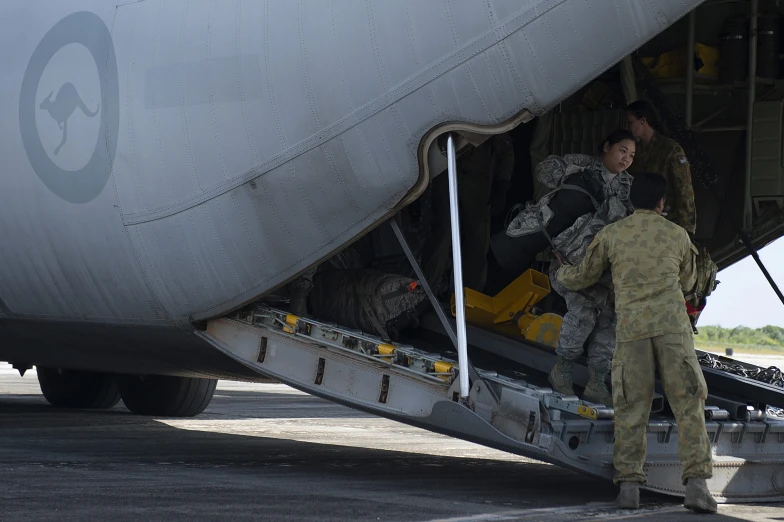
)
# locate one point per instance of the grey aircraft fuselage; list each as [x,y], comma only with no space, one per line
[167,161]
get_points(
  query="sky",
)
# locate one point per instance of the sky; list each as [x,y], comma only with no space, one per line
[744,297]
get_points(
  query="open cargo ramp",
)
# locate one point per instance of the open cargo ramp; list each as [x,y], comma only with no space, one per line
[423,385]
[416,387]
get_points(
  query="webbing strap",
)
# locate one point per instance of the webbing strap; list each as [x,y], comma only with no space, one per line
[542,227]
[401,290]
[546,234]
[580,189]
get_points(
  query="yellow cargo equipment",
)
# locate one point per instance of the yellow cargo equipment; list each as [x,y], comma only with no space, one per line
[510,312]
[672,64]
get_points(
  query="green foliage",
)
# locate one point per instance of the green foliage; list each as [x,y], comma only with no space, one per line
[766,336]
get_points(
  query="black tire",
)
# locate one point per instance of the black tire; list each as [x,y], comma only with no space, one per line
[78,389]
[166,396]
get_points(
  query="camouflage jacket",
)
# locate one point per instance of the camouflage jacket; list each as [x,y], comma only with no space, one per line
[653,263]
[573,242]
[665,157]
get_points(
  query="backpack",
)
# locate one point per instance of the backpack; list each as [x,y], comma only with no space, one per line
[705,285]
[375,302]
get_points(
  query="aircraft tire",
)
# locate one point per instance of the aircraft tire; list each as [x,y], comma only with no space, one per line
[78,389]
[166,396]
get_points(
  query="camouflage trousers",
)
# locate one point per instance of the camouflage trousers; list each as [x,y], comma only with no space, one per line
[589,324]
[633,380]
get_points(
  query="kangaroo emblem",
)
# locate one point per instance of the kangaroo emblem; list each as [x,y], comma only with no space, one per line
[63,106]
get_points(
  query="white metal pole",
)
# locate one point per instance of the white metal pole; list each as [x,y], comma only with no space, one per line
[457,263]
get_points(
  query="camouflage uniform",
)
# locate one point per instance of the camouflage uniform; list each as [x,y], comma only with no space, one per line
[591,314]
[665,157]
[589,321]
[653,262]
[572,242]
[478,168]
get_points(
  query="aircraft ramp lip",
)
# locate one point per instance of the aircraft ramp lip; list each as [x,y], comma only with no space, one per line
[748,455]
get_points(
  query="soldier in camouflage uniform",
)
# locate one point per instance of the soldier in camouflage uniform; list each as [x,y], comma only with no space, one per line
[659,154]
[590,319]
[653,264]
[484,174]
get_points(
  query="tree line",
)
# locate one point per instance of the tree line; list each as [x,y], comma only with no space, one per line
[765,336]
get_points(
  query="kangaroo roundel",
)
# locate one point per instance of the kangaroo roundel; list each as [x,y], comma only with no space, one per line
[69,108]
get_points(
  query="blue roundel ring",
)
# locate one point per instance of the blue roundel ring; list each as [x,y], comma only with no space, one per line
[84,185]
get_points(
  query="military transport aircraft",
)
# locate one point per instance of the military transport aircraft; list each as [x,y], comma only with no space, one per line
[168,163]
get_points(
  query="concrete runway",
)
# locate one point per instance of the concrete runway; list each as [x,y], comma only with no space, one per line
[268,452]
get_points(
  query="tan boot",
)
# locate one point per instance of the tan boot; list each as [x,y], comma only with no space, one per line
[629,497]
[596,389]
[561,376]
[698,497]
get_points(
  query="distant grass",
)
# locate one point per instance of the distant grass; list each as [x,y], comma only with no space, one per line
[750,349]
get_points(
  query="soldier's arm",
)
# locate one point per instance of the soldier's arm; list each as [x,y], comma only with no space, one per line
[589,271]
[626,200]
[684,212]
[688,268]
[554,168]
[550,169]
[578,160]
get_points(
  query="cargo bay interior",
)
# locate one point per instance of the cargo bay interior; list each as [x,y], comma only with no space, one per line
[726,112]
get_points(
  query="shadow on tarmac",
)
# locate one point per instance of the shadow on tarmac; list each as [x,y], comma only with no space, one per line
[81,464]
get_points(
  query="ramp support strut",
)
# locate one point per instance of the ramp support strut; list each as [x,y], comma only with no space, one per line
[457,263]
[460,341]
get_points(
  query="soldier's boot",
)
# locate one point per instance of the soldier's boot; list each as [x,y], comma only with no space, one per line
[698,497]
[298,300]
[629,497]
[596,389]
[561,376]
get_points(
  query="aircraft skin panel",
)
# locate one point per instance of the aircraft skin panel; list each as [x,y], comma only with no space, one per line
[238,146]
[576,40]
[60,259]
[343,172]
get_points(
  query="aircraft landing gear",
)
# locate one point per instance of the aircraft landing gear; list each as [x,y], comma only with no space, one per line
[165,395]
[78,389]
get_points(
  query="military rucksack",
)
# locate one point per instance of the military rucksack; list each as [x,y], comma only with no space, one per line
[706,283]
[375,302]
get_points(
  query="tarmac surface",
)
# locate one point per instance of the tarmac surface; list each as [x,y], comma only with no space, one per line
[268,452]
